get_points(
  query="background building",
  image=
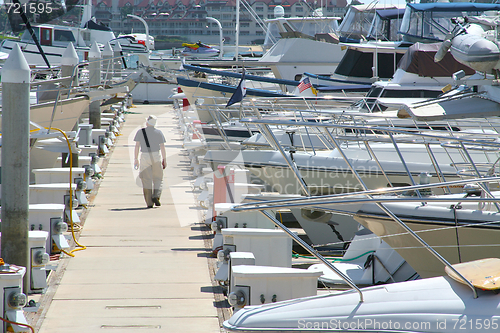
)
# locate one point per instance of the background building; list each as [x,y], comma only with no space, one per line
[186,19]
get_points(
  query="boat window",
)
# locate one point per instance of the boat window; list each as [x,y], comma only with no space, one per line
[374,92]
[414,93]
[63,36]
[26,37]
[306,26]
[359,64]
[318,25]
[356,23]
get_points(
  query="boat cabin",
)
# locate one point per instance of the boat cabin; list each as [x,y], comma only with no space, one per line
[49,35]
[61,36]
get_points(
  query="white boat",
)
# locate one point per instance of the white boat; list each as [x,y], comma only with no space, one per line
[368,261]
[287,58]
[54,40]
[457,230]
[475,45]
[433,305]
[327,172]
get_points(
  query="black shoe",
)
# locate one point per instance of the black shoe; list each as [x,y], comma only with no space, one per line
[156,201]
[150,206]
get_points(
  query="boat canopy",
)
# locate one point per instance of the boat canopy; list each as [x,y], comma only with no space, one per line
[431,22]
[358,20]
[386,24]
[419,59]
[453,6]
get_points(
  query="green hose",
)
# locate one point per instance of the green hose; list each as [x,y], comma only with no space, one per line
[294,255]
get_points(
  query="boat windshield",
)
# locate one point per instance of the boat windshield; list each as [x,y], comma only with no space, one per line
[26,36]
[309,26]
[430,22]
[386,25]
[358,20]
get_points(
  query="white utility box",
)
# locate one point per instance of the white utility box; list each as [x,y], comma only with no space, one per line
[37,274]
[55,193]
[243,219]
[13,299]
[49,218]
[85,135]
[82,160]
[255,285]
[96,133]
[39,258]
[229,259]
[238,259]
[86,150]
[58,175]
[270,247]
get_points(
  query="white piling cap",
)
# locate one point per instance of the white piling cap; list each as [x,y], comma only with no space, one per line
[16,69]
[108,51]
[117,47]
[70,57]
[94,52]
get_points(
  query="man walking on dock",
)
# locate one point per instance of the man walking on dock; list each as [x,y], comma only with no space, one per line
[151,142]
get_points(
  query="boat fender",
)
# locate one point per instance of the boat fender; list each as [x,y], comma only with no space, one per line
[443,49]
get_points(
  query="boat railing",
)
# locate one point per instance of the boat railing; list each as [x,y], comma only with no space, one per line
[378,196]
[398,135]
[462,140]
[368,197]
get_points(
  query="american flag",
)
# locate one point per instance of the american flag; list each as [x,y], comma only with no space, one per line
[304,84]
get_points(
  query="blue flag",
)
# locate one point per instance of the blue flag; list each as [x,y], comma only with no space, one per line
[240,92]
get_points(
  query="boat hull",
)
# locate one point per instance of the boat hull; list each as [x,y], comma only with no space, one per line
[475,238]
[428,305]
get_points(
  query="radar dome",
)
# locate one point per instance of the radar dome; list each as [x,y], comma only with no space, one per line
[279,11]
[318,12]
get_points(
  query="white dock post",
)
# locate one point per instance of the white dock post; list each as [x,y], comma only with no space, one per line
[117,51]
[94,80]
[15,160]
[107,62]
[68,62]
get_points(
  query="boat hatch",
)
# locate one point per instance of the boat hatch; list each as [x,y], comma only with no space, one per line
[46,36]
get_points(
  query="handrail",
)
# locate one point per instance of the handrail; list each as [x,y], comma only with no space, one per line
[308,201]
[376,128]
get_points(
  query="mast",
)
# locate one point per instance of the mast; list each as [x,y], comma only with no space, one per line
[87,13]
[237,29]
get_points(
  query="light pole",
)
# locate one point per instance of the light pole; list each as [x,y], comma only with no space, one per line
[221,40]
[145,26]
